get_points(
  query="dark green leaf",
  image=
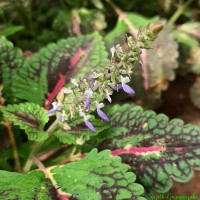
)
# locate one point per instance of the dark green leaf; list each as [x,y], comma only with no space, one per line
[158,150]
[32,186]
[97,176]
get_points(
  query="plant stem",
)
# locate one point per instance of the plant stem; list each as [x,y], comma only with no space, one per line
[8,124]
[179,11]
[37,147]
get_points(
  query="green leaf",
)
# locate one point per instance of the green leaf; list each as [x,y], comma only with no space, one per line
[10,61]
[97,176]
[79,132]
[10,30]
[30,117]
[33,185]
[46,72]
[158,150]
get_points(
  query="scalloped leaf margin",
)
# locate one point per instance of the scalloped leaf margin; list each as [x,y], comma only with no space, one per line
[30,117]
[158,149]
[98,176]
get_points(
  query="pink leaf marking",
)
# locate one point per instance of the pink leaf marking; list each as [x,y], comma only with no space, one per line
[62,78]
[142,166]
[143,58]
[137,150]
[178,149]
[63,196]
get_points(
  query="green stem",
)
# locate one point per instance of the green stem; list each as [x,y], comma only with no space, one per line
[37,146]
[179,11]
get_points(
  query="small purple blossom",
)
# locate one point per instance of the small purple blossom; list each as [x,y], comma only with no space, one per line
[56,106]
[88,123]
[100,112]
[88,94]
[51,111]
[90,126]
[119,87]
[87,103]
[92,82]
[126,87]
[102,115]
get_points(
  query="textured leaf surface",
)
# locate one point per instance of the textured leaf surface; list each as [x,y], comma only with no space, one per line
[31,186]
[46,72]
[158,150]
[79,131]
[97,176]
[30,117]
[10,61]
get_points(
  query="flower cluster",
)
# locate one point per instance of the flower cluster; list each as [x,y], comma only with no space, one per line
[87,95]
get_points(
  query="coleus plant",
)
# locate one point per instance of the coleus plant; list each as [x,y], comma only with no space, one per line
[152,148]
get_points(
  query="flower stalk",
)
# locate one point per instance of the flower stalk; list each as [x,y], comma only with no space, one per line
[86,95]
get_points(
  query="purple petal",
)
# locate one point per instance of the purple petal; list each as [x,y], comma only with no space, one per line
[92,81]
[128,89]
[87,103]
[53,110]
[102,115]
[119,86]
[90,126]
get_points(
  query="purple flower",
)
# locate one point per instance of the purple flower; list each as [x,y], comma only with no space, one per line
[128,89]
[87,122]
[124,86]
[100,112]
[102,115]
[88,94]
[51,111]
[56,106]
[92,82]
[87,103]
[90,126]
[119,86]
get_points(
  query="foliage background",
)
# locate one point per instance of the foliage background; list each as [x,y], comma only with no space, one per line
[168,83]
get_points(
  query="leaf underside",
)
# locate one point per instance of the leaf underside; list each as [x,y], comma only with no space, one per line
[158,150]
